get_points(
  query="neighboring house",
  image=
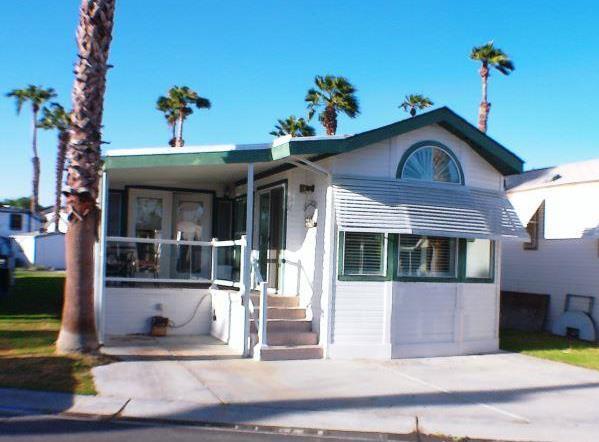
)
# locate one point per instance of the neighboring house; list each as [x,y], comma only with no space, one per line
[14,220]
[382,244]
[41,249]
[560,206]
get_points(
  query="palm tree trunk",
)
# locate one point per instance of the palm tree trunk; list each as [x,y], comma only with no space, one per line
[34,204]
[330,120]
[179,140]
[485,106]
[94,34]
[63,139]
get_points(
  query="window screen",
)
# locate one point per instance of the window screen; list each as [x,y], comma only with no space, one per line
[364,254]
[427,256]
[479,258]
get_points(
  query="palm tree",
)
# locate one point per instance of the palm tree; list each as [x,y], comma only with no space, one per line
[296,127]
[489,56]
[37,96]
[94,34]
[414,102]
[56,117]
[176,106]
[335,94]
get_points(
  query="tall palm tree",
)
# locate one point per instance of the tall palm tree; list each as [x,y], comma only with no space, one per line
[94,34]
[37,96]
[177,106]
[56,117]
[296,127]
[489,56]
[414,102]
[334,94]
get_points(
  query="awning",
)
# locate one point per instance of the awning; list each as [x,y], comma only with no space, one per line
[526,204]
[372,205]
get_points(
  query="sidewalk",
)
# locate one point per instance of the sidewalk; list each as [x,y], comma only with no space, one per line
[498,397]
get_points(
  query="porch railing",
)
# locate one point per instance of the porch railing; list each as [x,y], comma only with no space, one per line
[159,260]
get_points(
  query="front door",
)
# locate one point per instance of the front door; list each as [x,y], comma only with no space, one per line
[271,234]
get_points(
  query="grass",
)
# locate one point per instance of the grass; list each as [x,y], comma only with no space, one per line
[29,324]
[555,348]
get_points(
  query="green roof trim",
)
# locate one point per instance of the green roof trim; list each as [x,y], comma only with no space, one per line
[188,159]
[497,155]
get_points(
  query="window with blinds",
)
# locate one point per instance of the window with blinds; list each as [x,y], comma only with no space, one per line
[364,254]
[427,256]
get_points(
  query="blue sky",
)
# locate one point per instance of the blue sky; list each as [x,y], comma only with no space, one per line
[255,61]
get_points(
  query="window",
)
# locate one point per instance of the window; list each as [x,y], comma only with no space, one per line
[239,216]
[479,259]
[431,163]
[363,254]
[16,221]
[427,257]
[533,230]
[114,213]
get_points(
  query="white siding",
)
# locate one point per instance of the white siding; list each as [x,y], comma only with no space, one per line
[29,224]
[128,310]
[382,159]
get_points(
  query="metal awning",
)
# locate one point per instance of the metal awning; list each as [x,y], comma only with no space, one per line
[372,205]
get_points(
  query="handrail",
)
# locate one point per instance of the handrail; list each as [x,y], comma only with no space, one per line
[263,289]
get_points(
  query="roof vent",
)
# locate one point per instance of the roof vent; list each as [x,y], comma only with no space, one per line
[556,177]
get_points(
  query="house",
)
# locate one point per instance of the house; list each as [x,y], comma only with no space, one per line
[559,206]
[40,249]
[14,220]
[382,244]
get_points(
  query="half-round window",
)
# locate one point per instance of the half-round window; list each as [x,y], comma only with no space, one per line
[431,163]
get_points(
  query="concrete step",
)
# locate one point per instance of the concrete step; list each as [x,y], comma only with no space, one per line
[276,300]
[284,325]
[290,352]
[284,312]
[289,338]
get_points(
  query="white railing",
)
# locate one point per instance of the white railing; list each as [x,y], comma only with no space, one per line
[258,282]
[129,259]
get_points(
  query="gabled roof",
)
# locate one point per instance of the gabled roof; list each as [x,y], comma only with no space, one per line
[497,155]
[569,173]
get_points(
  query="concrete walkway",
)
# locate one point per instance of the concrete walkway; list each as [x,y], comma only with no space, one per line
[502,396]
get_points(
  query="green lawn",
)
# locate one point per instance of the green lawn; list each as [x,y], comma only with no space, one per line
[555,348]
[29,324]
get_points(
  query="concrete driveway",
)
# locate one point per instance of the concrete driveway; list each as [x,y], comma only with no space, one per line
[502,396]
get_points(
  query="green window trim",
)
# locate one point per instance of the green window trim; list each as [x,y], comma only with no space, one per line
[430,143]
[392,270]
[340,262]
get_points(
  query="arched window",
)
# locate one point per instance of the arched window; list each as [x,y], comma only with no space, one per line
[430,161]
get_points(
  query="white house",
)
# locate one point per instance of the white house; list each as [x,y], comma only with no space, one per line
[382,244]
[560,207]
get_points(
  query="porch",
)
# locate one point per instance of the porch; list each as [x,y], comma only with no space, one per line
[182,241]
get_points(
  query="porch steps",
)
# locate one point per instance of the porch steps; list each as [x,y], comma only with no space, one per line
[291,352]
[289,332]
[284,312]
[277,300]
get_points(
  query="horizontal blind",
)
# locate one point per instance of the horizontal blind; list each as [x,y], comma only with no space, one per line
[422,256]
[363,253]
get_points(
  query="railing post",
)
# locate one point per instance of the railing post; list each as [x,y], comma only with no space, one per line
[246,257]
[214,263]
[262,331]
